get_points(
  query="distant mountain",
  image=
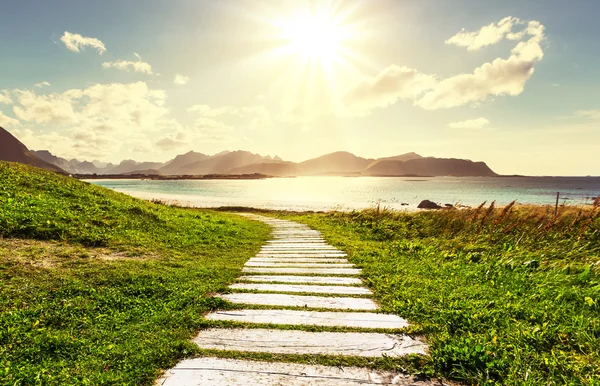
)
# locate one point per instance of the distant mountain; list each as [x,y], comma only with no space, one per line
[277,169]
[73,166]
[244,162]
[430,167]
[148,172]
[128,166]
[173,167]
[220,164]
[338,162]
[101,165]
[87,167]
[52,159]
[11,149]
[402,157]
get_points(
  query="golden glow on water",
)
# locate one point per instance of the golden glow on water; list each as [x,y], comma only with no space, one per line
[327,193]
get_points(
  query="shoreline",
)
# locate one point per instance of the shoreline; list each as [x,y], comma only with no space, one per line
[260,176]
[222,204]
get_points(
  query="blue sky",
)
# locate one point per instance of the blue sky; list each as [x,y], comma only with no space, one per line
[300,79]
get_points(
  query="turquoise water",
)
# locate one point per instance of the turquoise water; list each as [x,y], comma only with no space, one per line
[326,193]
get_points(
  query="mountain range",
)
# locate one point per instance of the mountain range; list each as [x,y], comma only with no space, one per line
[244,162]
[11,149]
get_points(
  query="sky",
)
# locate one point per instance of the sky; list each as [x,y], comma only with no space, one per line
[515,84]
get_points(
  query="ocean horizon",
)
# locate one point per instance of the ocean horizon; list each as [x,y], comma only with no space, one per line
[349,193]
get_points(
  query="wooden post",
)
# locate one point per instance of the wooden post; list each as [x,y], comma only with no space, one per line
[556,206]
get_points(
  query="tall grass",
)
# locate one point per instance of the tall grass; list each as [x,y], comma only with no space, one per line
[513,223]
[504,295]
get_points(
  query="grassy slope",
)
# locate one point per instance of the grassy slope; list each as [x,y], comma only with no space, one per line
[503,297]
[118,288]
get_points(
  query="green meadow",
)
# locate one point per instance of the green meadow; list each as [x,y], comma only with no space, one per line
[99,288]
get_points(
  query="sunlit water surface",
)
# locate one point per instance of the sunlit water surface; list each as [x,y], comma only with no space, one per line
[345,193]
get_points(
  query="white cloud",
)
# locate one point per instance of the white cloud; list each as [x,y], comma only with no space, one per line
[488,35]
[502,76]
[98,120]
[208,124]
[477,123]
[181,79]
[143,146]
[207,111]
[169,144]
[52,108]
[42,84]
[128,65]
[6,121]
[5,97]
[75,41]
[390,85]
[40,141]
[204,130]
[248,117]
[173,142]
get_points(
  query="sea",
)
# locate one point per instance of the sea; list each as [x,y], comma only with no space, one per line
[349,193]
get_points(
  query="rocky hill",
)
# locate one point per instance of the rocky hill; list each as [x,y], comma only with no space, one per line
[11,149]
[339,162]
[430,167]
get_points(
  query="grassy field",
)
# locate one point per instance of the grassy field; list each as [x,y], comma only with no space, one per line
[99,288]
[505,296]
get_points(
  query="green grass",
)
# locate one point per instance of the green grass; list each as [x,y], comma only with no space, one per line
[99,288]
[507,297]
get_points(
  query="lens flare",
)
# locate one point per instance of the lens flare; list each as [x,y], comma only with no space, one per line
[317,37]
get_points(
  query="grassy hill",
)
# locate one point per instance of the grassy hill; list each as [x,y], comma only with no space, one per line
[97,287]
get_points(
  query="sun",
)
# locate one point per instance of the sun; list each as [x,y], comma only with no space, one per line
[314,37]
[315,49]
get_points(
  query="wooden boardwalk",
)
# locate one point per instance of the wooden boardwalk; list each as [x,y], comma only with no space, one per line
[298,280]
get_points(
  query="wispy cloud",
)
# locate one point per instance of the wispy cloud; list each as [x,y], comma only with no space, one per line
[389,86]
[128,65]
[477,123]
[6,121]
[5,97]
[589,114]
[75,42]
[181,79]
[487,35]
[42,84]
[173,142]
[253,117]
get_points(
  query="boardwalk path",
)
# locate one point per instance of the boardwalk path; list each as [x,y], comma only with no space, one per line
[297,279]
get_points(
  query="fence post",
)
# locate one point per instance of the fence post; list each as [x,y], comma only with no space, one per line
[556,206]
